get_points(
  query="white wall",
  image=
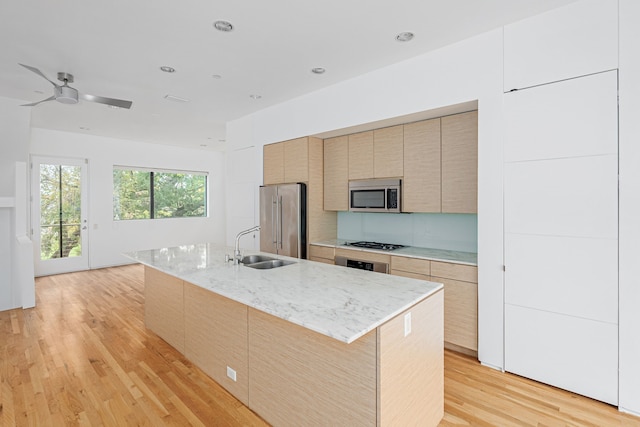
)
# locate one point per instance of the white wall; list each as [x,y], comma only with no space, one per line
[108,239]
[467,71]
[629,190]
[14,147]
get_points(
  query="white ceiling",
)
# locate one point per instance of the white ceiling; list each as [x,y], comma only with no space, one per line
[115,48]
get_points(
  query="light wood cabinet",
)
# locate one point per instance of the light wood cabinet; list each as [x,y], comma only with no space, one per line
[361,155]
[460,304]
[460,163]
[323,254]
[163,307]
[388,160]
[273,161]
[421,187]
[296,160]
[286,162]
[336,174]
[460,297]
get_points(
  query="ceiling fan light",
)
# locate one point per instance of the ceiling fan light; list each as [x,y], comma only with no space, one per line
[66,95]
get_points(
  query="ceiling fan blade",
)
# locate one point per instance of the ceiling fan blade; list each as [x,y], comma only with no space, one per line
[38,72]
[108,101]
[51,98]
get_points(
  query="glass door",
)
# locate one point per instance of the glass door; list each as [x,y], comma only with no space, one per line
[59,215]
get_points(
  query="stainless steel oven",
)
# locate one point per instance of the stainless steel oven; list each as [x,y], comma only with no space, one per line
[379,267]
[375,195]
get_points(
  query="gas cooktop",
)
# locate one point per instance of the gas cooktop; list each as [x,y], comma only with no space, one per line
[376,245]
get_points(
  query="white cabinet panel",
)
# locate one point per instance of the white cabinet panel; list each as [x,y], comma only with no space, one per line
[578,39]
[575,354]
[564,197]
[577,117]
[574,276]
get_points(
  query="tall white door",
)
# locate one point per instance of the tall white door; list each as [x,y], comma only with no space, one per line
[59,215]
[561,234]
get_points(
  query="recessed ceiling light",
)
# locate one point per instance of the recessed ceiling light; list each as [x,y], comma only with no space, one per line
[404,36]
[255,96]
[318,70]
[168,69]
[223,26]
[175,98]
[216,76]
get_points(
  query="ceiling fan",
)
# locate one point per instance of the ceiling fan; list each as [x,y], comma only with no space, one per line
[68,95]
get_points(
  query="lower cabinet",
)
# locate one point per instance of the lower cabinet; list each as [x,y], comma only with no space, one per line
[460,297]
[323,254]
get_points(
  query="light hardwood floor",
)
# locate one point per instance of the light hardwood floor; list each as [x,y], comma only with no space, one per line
[84,357]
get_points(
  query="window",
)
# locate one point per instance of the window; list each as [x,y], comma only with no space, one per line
[148,194]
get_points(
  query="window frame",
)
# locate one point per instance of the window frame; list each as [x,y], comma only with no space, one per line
[152,207]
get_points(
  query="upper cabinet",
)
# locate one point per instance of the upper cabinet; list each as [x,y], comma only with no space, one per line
[437,160]
[421,184]
[361,155]
[286,161]
[559,44]
[273,158]
[387,152]
[460,163]
[336,174]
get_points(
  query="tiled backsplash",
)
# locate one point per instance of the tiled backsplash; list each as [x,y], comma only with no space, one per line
[457,232]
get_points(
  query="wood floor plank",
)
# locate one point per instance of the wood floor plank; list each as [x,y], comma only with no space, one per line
[82,357]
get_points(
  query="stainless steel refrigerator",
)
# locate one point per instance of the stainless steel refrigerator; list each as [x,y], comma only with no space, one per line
[283,219]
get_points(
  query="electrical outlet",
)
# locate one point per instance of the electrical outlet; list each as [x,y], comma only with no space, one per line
[231,373]
[407,324]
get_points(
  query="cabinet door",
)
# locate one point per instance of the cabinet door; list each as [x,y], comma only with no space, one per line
[421,185]
[460,163]
[273,163]
[361,155]
[296,160]
[388,159]
[336,174]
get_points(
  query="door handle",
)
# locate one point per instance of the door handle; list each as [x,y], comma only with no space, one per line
[274,221]
[280,202]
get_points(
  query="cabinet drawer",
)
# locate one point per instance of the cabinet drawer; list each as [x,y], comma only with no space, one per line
[411,265]
[321,252]
[410,275]
[466,273]
[363,256]
[322,260]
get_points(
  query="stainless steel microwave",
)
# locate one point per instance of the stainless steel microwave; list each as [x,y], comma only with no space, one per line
[375,195]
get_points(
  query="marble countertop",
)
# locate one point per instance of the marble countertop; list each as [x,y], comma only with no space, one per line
[342,303]
[456,257]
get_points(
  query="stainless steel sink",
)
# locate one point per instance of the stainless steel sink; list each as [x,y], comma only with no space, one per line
[252,259]
[269,263]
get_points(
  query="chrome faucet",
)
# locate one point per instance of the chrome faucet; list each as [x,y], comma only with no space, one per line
[237,256]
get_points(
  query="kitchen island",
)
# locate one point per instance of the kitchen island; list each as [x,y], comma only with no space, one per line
[306,343]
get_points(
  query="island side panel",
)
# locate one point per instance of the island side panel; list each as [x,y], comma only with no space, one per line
[299,377]
[411,368]
[163,306]
[216,338]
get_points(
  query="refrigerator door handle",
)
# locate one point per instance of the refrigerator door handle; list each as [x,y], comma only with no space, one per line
[274,221]
[280,222]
